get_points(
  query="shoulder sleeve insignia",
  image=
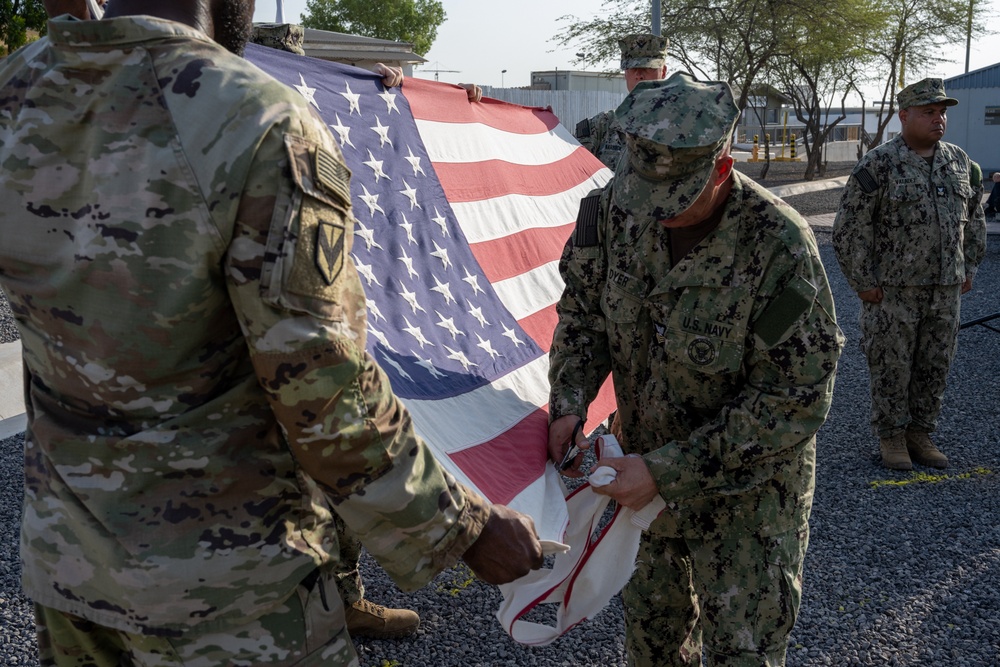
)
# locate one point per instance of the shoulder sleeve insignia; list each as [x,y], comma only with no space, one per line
[585,234]
[583,129]
[330,250]
[866,180]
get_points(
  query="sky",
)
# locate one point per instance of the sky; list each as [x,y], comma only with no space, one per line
[481,39]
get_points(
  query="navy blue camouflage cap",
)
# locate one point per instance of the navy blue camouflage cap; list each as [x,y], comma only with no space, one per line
[675,131]
[643,51]
[925,91]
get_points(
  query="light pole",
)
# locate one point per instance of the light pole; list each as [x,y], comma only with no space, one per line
[502,72]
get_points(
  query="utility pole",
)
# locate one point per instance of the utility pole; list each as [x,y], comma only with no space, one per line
[968,35]
[655,10]
[279,17]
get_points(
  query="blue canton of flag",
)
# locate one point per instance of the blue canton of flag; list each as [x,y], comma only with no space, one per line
[435,324]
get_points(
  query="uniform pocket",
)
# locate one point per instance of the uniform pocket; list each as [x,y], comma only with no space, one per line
[619,306]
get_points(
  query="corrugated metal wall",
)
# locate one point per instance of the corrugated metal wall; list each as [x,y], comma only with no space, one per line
[967,123]
[570,106]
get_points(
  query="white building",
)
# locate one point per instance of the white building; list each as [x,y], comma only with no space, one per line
[974,124]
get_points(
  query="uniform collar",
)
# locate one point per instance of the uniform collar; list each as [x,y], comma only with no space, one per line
[66,31]
[713,264]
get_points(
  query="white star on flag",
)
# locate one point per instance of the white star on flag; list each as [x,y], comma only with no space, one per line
[390,101]
[343,132]
[383,132]
[410,194]
[441,222]
[414,162]
[353,98]
[376,167]
[307,92]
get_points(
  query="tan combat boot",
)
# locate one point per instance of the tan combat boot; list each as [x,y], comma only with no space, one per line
[367,619]
[894,454]
[923,451]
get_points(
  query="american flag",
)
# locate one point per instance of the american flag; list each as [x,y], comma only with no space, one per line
[462,210]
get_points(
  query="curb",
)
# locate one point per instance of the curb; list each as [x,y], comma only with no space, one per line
[12,417]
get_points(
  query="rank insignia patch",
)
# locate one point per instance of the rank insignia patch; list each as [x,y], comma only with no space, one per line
[329,250]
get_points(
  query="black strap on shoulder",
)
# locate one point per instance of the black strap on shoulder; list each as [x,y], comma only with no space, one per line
[583,129]
[585,235]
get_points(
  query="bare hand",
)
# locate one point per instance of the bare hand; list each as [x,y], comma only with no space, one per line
[391,76]
[560,432]
[967,285]
[507,549]
[474,92]
[871,295]
[634,487]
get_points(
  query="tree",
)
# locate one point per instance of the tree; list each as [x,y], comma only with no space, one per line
[17,17]
[823,68]
[727,40]
[913,31]
[414,21]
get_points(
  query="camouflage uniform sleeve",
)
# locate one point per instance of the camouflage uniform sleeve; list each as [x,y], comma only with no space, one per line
[854,227]
[579,359]
[790,364]
[974,235]
[302,310]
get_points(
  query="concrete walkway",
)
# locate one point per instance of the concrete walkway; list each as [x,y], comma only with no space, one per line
[13,420]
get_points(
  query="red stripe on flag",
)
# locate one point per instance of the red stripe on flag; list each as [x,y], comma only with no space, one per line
[476,181]
[434,101]
[540,325]
[503,467]
[519,253]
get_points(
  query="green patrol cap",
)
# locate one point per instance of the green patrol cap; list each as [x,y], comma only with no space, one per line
[675,130]
[645,50]
[926,91]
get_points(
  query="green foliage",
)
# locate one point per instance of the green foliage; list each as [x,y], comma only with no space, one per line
[927,478]
[456,580]
[816,53]
[911,35]
[414,21]
[17,17]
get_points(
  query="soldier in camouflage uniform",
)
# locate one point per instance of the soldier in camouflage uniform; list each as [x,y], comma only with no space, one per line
[644,58]
[175,245]
[705,298]
[909,236]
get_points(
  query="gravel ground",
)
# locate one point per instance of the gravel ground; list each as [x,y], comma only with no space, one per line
[902,568]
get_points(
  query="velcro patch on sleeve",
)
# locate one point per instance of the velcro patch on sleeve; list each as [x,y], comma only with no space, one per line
[582,129]
[780,316]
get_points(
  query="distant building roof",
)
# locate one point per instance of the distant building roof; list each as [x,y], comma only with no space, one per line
[985,77]
[345,48]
